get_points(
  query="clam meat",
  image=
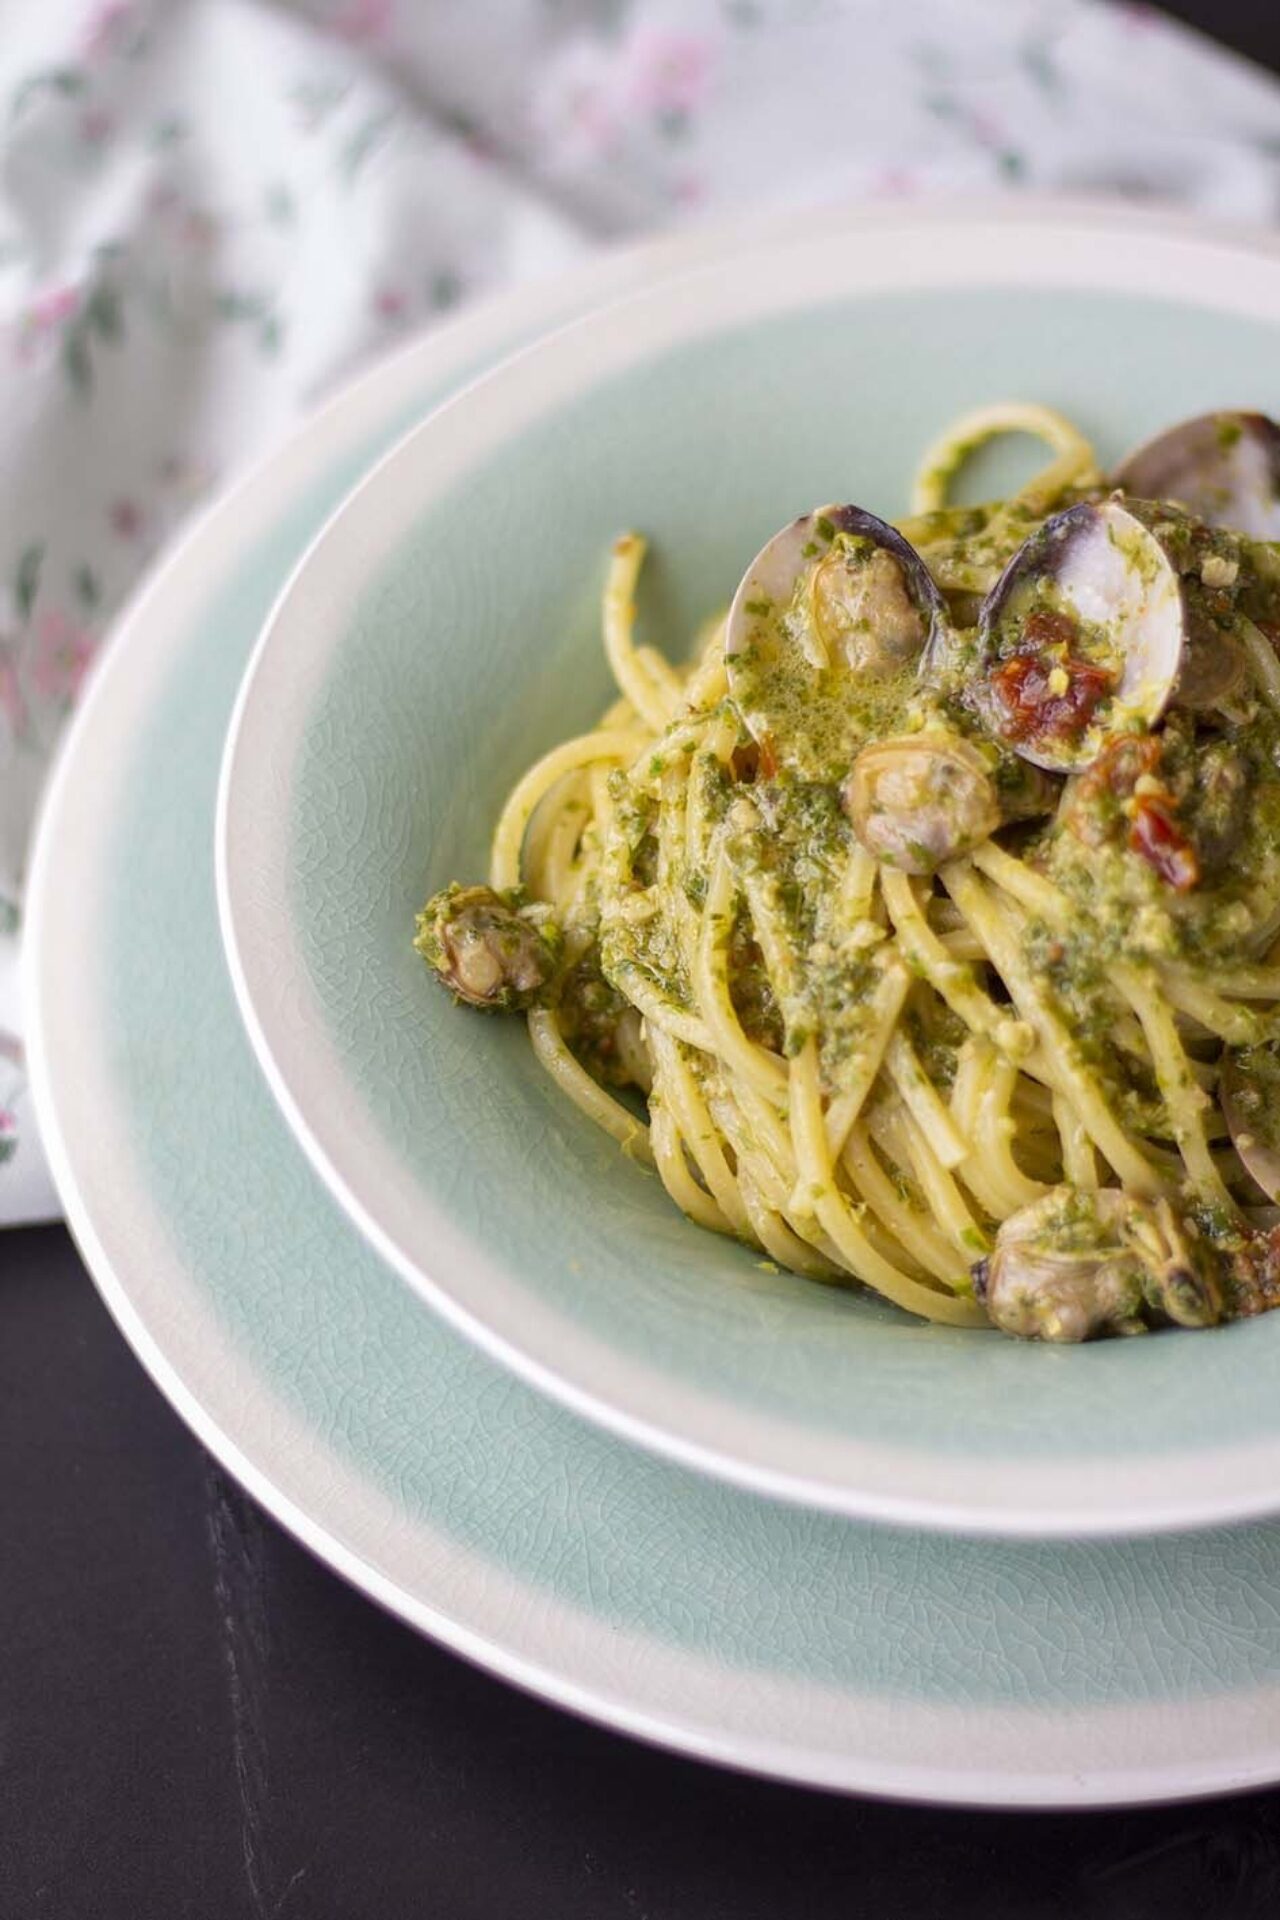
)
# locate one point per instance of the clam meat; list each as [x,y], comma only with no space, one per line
[1075,1265]
[832,615]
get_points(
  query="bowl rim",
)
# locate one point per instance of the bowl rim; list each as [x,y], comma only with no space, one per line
[1082,1499]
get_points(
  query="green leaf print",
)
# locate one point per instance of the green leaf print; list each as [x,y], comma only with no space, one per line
[26,582]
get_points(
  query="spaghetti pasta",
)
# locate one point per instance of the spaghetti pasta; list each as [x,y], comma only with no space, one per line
[906,935]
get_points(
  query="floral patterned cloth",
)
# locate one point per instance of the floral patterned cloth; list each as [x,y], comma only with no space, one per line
[212,211]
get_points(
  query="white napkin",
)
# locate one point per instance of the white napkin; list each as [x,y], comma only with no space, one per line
[213,211]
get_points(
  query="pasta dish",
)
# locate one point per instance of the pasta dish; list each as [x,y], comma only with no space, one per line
[923,931]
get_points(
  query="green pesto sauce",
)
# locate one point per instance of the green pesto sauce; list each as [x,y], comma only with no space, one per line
[802,717]
[1223,772]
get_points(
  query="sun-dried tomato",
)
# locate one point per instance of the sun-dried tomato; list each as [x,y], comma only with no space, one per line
[1121,764]
[1033,710]
[1044,628]
[1158,839]
[1094,813]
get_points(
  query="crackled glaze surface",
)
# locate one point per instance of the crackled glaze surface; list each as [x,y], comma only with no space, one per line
[444,633]
[770,1636]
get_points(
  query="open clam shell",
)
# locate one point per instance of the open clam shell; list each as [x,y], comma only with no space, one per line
[1081,638]
[838,593]
[1224,467]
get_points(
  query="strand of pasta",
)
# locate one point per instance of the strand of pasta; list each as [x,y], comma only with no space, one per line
[1183,1099]
[981,1098]
[1078,1163]
[548,860]
[684,1097]
[1238,1026]
[1028,887]
[943,459]
[635,675]
[1262,658]
[660,1011]
[951,979]
[708,684]
[923,1101]
[765,1193]
[907,1142]
[918,1246]
[762,1070]
[787,1248]
[861,1065]
[606,744]
[573,1079]
[772,1134]
[673,1169]
[1070,1077]
[672,865]
[1249,983]
[960,943]
[624,965]
[817,1178]
[987,1178]
[667,682]
[856,886]
[781,961]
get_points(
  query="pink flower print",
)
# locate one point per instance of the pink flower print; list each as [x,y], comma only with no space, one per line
[162,198]
[199,230]
[669,73]
[96,126]
[103,27]
[46,315]
[688,191]
[62,655]
[52,308]
[12,704]
[126,519]
[894,183]
[363,20]
[594,93]
[390,304]
[577,110]
[8,1121]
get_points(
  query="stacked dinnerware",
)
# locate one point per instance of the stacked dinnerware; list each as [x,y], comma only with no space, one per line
[443,1329]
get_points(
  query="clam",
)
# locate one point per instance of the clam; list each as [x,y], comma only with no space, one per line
[485,949]
[919,800]
[837,596]
[1074,1265]
[1249,1094]
[1224,467]
[1081,638]
[1213,673]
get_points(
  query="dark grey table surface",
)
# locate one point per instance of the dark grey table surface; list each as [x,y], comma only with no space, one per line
[197,1718]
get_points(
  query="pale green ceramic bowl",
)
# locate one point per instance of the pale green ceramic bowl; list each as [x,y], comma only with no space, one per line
[442,632]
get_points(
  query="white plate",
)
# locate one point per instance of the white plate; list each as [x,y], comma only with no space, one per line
[716,1622]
